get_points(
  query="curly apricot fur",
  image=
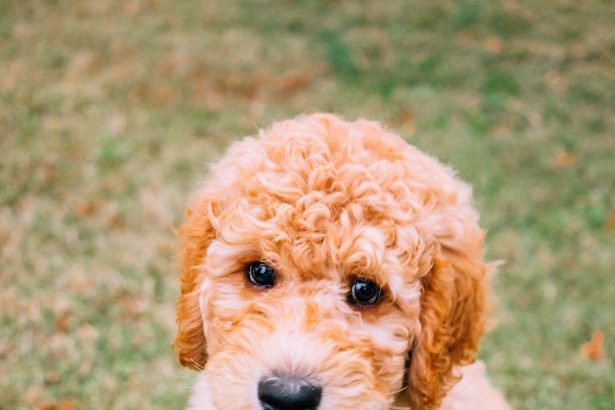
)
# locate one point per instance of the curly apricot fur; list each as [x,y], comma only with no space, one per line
[324,200]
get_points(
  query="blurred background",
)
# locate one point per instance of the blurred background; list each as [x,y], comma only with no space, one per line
[111,110]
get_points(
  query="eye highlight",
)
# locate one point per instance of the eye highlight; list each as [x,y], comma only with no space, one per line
[364,292]
[260,274]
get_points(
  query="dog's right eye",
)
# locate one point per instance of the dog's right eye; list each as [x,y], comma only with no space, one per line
[364,292]
[260,274]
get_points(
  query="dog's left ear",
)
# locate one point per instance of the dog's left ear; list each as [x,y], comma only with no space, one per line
[452,318]
[196,234]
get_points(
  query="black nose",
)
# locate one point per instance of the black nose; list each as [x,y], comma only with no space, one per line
[288,393]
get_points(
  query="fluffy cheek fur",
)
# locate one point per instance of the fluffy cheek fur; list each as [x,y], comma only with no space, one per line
[304,330]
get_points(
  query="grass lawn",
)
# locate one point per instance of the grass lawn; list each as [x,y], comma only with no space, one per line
[110,110]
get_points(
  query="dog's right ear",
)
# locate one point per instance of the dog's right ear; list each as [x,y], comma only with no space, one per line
[453,305]
[196,234]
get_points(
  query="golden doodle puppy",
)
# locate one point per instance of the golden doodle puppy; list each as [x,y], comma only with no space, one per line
[329,265]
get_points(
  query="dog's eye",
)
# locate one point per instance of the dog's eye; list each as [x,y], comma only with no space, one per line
[364,292]
[260,274]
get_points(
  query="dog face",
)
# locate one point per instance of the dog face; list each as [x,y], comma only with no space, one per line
[329,265]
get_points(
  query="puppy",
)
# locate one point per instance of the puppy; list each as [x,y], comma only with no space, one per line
[329,265]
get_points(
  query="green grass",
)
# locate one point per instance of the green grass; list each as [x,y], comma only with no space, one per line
[109,111]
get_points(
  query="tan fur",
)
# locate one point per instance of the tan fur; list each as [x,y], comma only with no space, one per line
[323,200]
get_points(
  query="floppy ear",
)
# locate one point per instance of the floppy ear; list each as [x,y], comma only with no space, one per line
[452,319]
[196,234]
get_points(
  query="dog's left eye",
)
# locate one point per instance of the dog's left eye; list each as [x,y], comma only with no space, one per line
[260,274]
[364,292]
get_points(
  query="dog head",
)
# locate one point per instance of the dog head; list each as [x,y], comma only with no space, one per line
[331,265]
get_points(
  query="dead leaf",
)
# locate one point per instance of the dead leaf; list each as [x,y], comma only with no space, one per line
[52,378]
[494,45]
[61,405]
[295,81]
[564,159]
[403,120]
[242,85]
[402,116]
[63,322]
[594,349]
[85,208]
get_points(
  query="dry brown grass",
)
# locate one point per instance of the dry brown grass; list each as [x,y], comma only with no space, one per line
[109,111]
